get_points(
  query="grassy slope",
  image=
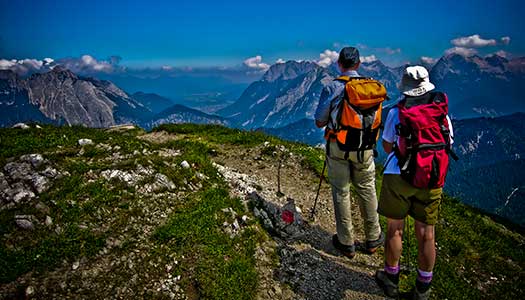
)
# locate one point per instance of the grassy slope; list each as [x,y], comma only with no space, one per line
[477,258]
[214,265]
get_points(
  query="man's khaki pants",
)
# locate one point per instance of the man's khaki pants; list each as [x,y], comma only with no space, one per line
[341,173]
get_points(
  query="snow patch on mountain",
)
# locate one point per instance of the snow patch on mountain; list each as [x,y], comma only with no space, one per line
[472,145]
[486,111]
[510,196]
[260,100]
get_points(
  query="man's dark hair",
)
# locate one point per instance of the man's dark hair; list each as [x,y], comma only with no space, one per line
[349,57]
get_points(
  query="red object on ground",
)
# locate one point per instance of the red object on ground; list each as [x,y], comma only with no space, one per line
[287,216]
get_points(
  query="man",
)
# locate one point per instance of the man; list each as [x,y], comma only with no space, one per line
[399,196]
[346,167]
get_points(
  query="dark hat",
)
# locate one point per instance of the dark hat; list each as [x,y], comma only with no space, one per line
[349,57]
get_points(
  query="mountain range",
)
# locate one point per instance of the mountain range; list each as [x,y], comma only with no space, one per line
[284,100]
[489,174]
[477,86]
[289,92]
[61,97]
[286,93]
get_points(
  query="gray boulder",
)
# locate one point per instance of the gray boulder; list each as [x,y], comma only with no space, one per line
[21,126]
[25,221]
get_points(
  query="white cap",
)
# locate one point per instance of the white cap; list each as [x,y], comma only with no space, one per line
[415,81]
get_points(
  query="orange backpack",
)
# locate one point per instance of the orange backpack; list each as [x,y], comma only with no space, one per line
[358,121]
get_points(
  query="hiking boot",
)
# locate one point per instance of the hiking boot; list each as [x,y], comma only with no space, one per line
[346,250]
[372,246]
[388,286]
[417,295]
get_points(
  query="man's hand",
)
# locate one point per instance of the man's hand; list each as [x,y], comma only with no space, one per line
[387,146]
[320,124]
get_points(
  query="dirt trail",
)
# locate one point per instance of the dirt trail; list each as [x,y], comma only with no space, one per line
[309,267]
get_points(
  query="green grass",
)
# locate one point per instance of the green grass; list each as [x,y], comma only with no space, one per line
[217,266]
[16,142]
[223,268]
[71,204]
[215,135]
[471,247]
[42,250]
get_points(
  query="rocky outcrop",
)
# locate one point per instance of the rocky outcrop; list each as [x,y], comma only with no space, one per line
[22,180]
[157,181]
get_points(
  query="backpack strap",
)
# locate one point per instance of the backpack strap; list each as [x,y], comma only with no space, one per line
[387,162]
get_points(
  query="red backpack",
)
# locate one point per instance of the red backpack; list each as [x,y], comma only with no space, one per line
[423,145]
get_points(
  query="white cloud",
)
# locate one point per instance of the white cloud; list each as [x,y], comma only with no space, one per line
[87,64]
[466,52]
[280,61]
[89,61]
[32,63]
[428,60]
[505,40]
[256,63]
[368,59]
[6,64]
[22,66]
[327,58]
[473,41]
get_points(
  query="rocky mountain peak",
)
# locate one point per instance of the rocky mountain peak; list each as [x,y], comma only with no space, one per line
[496,60]
[289,70]
[61,72]
[373,64]
[517,65]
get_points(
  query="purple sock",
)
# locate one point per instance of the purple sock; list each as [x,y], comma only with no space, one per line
[391,270]
[424,277]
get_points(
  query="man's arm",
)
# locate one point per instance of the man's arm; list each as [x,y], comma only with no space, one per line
[387,146]
[389,132]
[320,124]
[322,113]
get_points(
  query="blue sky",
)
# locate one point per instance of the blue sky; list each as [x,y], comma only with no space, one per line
[225,33]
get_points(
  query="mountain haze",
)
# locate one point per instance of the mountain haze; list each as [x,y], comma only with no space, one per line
[153,102]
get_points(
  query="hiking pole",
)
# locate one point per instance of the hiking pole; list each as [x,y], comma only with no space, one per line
[312,214]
